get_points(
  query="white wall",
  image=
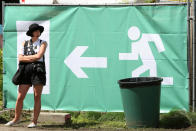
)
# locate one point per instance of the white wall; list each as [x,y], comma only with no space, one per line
[36,1]
[76,1]
[86,1]
[94,1]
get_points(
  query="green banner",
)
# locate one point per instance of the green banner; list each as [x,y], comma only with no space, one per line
[90,48]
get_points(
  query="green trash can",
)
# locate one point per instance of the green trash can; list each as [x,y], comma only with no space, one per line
[141,101]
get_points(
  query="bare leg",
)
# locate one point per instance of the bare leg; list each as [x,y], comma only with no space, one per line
[22,91]
[37,101]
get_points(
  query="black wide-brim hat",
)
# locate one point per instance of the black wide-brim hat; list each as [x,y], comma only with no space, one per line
[34,27]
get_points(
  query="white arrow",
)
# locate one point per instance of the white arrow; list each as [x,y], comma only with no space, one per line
[75,62]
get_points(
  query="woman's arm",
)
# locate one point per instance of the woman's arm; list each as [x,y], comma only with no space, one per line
[32,58]
[21,58]
[21,54]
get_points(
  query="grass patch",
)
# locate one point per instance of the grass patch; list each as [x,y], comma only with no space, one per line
[6,116]
[97,120]
[90,115]
[9,115]
[110,116]
[112,121]
[79,120]
[83,123]
[113,124]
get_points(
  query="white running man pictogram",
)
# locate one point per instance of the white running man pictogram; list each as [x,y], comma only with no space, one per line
[140,48]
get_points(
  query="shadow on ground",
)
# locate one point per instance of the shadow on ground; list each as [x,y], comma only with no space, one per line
[72,126]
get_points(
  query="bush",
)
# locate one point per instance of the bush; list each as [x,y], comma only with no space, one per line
[175,120]
[192,116]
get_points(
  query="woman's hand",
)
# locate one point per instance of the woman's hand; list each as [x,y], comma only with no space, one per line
[32,58]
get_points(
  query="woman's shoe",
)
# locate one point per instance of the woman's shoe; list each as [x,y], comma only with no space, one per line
[32,125]
[11,123]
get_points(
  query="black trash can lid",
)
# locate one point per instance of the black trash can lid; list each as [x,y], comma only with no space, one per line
[139,81]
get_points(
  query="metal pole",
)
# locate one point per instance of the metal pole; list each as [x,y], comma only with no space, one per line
[3,5]
[110,4]
[193,59]
[2,10]
[188,37]
[188,47]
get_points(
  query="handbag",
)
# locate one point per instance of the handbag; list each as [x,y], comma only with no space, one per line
[17,78]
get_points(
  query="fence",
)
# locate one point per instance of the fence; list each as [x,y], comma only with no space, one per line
[102,101]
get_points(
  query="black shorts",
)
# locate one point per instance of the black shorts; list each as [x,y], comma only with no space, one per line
[33,77]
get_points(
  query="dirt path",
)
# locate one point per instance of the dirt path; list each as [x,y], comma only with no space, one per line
[23,127]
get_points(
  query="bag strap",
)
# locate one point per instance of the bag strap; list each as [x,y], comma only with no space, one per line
[26,43]
[25,47]
[43,55]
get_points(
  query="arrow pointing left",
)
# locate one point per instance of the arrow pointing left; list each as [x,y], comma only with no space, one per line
[75,62]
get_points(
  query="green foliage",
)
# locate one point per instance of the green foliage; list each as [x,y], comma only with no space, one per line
[6,116]
[97,120]
[150,1]
[90,115]
[73,113]
[110,116]
[192,116]
[113,124]
[99,116]
[9,115]
[175,119]
[82,122]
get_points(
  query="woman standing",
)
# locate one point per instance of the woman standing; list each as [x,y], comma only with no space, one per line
[31,55]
